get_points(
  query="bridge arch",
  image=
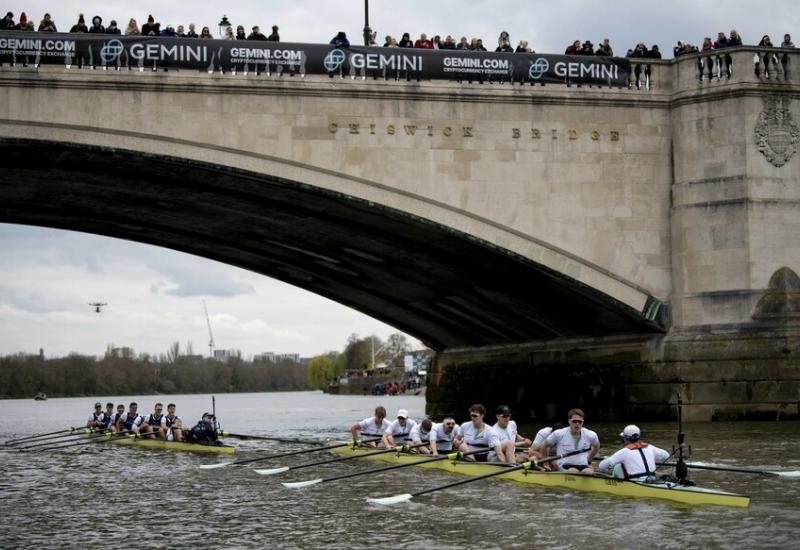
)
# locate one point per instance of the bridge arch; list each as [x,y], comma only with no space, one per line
[459,281]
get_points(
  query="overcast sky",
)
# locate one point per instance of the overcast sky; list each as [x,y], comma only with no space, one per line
[155,295]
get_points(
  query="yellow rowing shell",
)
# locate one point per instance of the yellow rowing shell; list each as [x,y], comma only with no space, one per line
[592,484]
[160,444]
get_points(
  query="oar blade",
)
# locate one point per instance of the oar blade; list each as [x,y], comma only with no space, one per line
[214,466]
[387,501]
[272,471]
[301,484]
[787,474]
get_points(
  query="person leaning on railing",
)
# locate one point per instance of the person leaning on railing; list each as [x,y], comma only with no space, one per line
[47,24]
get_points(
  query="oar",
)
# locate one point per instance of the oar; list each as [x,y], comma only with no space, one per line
[281,469]
[282,440]
[279,455]
[37,436]
[55,440]
[524,466]
[450,456]
[88,439]
[769,473]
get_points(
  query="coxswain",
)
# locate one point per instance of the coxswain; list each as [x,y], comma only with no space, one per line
[443,435]
[112,421]
[636,459]
[509,436]
[171,428]
[535,452]
[97,419]
[476,434]
[372,427]
[151,423]
[400,428]
[421,433]
[203,432]
[127,420]
[574,438]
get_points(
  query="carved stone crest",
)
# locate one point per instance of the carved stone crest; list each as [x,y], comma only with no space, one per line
[776,132]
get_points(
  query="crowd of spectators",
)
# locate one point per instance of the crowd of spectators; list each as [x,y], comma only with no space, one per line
[154,28]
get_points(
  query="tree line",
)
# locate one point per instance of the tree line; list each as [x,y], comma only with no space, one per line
[121,371]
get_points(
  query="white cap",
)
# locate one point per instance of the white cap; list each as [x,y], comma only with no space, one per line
[631,433]
[402,413]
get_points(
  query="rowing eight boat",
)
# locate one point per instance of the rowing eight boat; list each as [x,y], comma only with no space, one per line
[691,495]
[160,444]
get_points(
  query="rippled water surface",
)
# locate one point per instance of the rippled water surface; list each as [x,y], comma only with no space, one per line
[107,496]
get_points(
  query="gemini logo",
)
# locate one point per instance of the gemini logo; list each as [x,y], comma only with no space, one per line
[334,59]
[538,68]
[111,51]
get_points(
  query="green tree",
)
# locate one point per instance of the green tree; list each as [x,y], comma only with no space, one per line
[321,369]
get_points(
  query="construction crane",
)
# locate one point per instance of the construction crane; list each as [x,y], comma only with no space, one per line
[210,334]
[97,306]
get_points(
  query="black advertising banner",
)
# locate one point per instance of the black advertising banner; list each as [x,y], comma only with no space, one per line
[155,52]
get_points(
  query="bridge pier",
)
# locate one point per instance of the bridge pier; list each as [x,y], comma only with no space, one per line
[741,373]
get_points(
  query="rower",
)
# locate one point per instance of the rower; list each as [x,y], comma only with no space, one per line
[109,412]
[151,423]
[203,432]
[637,459]
[421,433]
[573,438]
[373,426]
[127,420]
[113,420]
[509,436]
[476,434]
[442,436]
[399,428]
[535,452]
[97,419]
[171,428]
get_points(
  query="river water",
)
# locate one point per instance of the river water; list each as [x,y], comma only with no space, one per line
[107,496]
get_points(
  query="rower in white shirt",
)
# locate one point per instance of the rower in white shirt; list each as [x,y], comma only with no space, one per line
[372,427]
[476,434]
[535,452]
[443,435]
[112,422]
[509,436]
[171,428]
[127,420]
[421,433]
[399,429]
[151,423]
[637,459]
[97,419]
[574,438]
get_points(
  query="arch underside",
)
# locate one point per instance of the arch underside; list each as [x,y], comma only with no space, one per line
[435,283]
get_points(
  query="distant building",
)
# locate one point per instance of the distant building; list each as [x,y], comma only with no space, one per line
[273,357]
[225,354]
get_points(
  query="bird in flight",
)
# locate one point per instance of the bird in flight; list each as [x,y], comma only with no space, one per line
[97,306]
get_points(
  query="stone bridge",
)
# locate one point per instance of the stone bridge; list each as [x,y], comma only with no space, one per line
[557,245]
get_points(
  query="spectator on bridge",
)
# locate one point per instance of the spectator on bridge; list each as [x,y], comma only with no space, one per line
[734,39]
[191,33]
[205,33]
[449,43]
[708,45]
[133,28]
[766,42]
[180,32]
[479,47]
[463,44]
[47,24]
[373,40]
[240,35]
[437,42]
[228,33]
[387,40]
[340,40]
[80,26]
[679,49]
[721,41]
[504,36]
[522,47]
[274,37]
[112,28]
[392,43]
[654,52]
[604,49]
[97,25]
[150,28]
[504,47]
[168,31]
[787,41]
[256,34]
[639,51]
[7,23]
[423,42]
[587,48]
[23,23]
[574,48]
[405,41]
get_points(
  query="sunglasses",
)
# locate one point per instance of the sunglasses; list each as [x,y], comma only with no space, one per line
[504,415]
[577,421]
[474,415]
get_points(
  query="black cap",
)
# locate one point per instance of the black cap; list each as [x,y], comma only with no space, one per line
[503,409]
[109,404]
[208,414]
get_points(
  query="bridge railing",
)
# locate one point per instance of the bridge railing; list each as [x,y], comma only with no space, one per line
[741,64]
